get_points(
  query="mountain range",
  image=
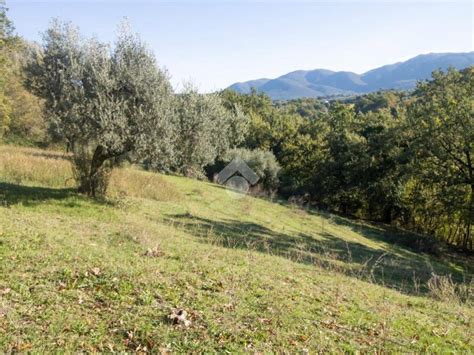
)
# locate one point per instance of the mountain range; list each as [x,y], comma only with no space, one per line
[323,82]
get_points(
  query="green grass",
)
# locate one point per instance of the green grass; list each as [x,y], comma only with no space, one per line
[253,275]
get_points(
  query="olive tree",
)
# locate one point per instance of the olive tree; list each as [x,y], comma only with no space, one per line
[105,103]
[205,130]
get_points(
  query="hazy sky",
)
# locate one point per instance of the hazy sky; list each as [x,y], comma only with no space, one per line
[216,43]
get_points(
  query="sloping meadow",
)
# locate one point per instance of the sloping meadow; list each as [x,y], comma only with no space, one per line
[165,263]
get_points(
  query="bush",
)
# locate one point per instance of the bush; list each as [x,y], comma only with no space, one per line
[263,163]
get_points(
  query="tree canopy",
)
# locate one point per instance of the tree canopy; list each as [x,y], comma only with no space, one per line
[106,103]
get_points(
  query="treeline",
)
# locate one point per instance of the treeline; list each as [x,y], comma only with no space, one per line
[20,111]
[404,159]
[398,158]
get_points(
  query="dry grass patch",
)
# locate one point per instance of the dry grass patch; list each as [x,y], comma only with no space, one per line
[23,166]
[80,275]
[141,184]
[443,288]
[28,165]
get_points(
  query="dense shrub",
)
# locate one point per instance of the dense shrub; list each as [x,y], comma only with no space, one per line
[263,163]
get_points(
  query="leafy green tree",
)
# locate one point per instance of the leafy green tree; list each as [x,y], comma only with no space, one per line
[6,25]
[379,100]
[20,111]
[310,108]
[300,161]
[442,120]
[259,109]
[26,121]
[335,180]
[382,165]
[7,43]
[104,103]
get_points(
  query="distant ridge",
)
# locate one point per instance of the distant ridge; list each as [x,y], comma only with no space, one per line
[323,82]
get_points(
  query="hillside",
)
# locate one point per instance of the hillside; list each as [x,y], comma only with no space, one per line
[253,275]
[322,82]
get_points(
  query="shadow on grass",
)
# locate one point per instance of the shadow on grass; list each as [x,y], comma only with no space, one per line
[392,267]
[417,243]
[11,194]
[51,155]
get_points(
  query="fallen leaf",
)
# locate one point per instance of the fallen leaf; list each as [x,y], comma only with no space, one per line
[5,291]
[229,307]
[3,311]
[154,252]
[179,317]
[164,351]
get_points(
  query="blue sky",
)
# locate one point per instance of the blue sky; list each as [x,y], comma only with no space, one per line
[216,43]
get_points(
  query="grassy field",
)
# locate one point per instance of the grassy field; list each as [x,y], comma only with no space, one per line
[250,274]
